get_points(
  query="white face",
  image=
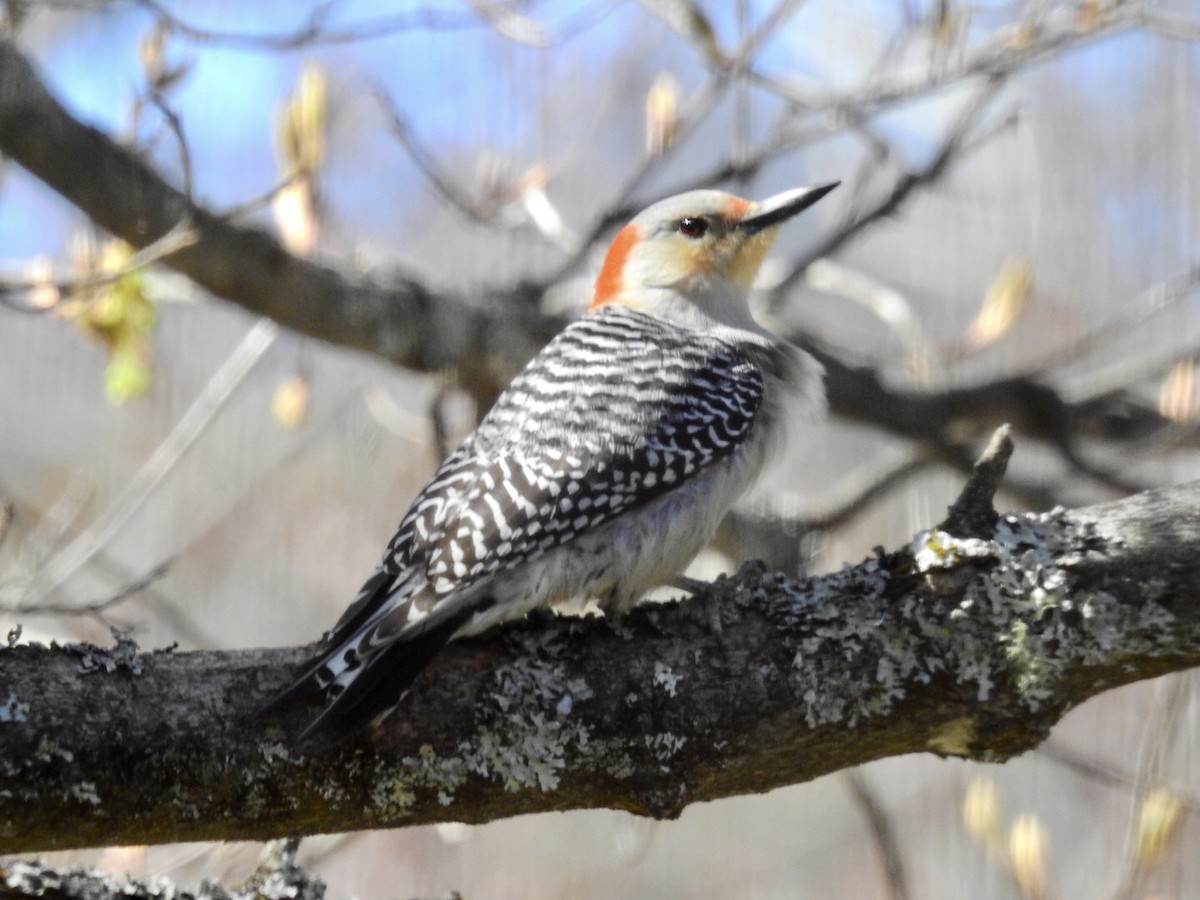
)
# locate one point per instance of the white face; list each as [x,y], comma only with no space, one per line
[694,244]
[700,250]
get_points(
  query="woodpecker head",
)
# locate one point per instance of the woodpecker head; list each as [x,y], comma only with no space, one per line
[695,255]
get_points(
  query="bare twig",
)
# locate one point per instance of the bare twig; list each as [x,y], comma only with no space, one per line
[1176,28]
[1149,304]
[241,210]
[695,111]
[774,20]
[1001,56]
[688,20]
[865,490]
[95,608]
[882,832]
[67,561]
[1105,476]
[426,164]
[181,236]
[955,142]
[316,30]
[1159,734]
[178,620]
[778,533]
[508,23]
[888,305]
[815,113]
[159,101]
[496,212]
[1104,773]
[437,421]
[7,514]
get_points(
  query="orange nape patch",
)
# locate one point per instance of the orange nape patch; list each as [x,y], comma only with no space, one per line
[611,280]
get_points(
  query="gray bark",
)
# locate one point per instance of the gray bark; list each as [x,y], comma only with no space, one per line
[967,647]
[277,877]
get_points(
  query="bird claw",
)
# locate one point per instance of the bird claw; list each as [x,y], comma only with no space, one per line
[702,591]
[693,586]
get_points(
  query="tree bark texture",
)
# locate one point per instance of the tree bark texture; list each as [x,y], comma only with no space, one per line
[960,646]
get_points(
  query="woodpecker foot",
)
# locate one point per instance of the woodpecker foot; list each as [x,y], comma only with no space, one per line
[693,586]
[702,591]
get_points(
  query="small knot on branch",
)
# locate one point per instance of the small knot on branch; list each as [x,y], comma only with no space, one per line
[972,514]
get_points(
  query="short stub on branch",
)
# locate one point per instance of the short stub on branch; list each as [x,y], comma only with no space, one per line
[973,514]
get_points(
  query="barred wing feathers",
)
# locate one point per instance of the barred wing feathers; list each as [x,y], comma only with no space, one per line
[620,408]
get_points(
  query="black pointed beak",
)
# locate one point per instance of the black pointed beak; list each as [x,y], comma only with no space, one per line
[783,206]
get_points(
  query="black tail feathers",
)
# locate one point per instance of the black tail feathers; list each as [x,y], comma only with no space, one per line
[382,681]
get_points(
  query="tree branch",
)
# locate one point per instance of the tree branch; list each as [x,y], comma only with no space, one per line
[395,317]
[966,647]
[277,877]
[485,340]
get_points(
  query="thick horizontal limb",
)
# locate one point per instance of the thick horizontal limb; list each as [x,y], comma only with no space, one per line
[957,646]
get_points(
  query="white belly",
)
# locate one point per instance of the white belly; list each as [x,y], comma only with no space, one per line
[624,558]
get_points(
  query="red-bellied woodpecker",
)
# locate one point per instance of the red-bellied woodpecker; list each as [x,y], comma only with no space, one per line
[605,466]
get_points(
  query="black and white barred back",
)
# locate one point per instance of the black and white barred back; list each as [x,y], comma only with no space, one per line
[620,408]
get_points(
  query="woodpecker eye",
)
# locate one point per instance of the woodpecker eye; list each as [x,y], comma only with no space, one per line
[693,227]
